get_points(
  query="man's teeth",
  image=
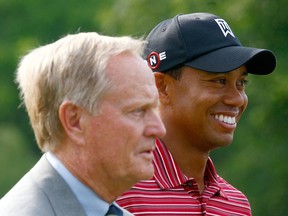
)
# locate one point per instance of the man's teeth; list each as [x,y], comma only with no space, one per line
[226,119]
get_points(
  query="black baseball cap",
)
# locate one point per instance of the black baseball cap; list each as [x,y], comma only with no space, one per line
[203,41]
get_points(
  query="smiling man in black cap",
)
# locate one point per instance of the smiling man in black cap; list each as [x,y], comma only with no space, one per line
[201,70]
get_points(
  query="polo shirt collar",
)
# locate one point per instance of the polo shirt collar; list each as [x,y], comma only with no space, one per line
[168,175]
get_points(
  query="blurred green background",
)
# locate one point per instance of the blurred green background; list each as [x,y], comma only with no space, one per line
[254,163]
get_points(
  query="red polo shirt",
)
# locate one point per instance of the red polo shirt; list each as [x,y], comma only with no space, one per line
[170,192]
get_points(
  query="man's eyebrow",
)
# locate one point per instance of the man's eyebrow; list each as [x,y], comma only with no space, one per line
[245,73]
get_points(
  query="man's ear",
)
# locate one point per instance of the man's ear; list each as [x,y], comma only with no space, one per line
[162,84]
[70,116]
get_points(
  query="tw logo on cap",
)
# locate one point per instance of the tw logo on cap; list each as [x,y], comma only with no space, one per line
[224,27]
[154,59]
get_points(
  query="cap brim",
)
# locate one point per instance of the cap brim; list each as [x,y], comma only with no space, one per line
[257,61]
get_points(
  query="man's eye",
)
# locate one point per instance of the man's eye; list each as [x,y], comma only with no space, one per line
[220,81]
[138,111]
[242,83]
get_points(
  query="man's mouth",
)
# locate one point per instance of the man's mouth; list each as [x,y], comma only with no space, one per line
[231,120]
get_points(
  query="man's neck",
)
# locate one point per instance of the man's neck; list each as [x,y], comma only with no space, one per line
[190,160]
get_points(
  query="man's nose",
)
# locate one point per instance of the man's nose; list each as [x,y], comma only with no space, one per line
[156,127]
[235,97]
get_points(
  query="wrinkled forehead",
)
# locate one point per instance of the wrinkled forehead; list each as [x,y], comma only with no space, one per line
[130,74]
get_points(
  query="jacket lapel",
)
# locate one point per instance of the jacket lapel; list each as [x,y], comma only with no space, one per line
[61,197]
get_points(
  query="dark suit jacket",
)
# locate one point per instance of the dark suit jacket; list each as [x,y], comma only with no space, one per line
[41,192]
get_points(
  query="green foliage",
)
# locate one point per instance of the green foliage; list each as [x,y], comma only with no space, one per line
[254,163]
[15,157]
